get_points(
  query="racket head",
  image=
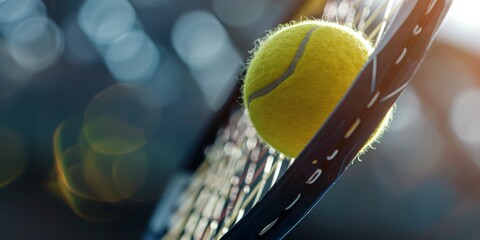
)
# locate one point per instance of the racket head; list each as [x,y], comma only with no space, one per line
[305,180]
[330,152]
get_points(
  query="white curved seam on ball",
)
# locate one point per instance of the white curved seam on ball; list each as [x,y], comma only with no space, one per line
[291,69]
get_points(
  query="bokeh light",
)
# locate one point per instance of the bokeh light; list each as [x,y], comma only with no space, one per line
[94,175]
[36,43]
[32,39]
[117,121]
[11,10]
[12,156]
[202,42]
[103,21]
[112,26]
[465,116]
[198,38]
[132,57]
[462,25]
[87,173]
[217,82]
[91,210]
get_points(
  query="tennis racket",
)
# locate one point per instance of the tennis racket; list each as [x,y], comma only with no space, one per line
[243,190]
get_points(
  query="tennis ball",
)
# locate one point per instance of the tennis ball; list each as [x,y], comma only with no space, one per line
[296,77]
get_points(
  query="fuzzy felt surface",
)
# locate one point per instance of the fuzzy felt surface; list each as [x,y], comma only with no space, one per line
[297,76]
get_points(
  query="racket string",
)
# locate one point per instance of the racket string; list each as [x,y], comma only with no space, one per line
[369,16]
[209,207]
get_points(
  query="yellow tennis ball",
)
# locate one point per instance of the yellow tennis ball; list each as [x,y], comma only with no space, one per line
[297,76]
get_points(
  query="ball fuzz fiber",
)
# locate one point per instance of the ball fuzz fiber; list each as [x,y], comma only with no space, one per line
[296,77]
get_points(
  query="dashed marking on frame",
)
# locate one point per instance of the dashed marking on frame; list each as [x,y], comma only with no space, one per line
[352,128]
[314,176]
[293,202]
[266,228]
[417,30]
[374,73]
[431,6]
[394,92]
[333,155]
[402,55]
[374,100]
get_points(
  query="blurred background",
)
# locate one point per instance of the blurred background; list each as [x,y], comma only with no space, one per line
[101,101]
